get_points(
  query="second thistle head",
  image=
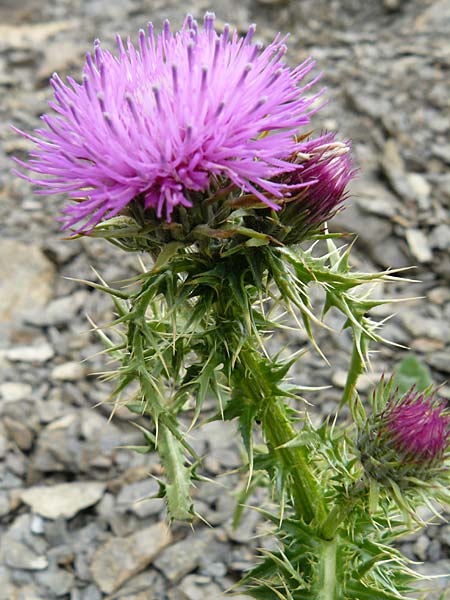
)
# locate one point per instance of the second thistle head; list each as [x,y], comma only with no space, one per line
[324,170]
[408,439]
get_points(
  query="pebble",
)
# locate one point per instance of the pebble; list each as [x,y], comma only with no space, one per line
[30,354]
[119,559]
[26,278]
[69,371]
[19,433]
[15,391]
[135,498]
[418,245]
[63,500]
[183,557]
[19,556]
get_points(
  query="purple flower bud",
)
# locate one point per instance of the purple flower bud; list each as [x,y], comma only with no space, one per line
[325,166]
[409,438]
[417,427]
[162,120]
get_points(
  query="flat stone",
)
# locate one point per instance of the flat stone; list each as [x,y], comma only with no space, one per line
[69,371]
[426,327]
[183,557]
[119,559]
[57,582]
[418,245]
[135,498]
[30,354]
[19,556]
[26,278]
[12,391]
[196,587]
[63,500]
[19,433]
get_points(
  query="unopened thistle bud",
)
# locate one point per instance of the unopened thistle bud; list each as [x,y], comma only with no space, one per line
[407,440]
[327,164]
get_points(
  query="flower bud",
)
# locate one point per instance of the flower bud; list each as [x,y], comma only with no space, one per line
[409,438]
[324,171]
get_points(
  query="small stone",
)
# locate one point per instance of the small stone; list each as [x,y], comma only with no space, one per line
[421,189]
[440,237]
[196,587]
[119,559]
[60,311]
[426,327]
[37,525]
[418,245]
[183,557]
[440,361]
[19,433]
[26,278]
[57,582]
[30,354]
[439,295]
[135,498]
[214,569]
[14,391]
[69,371]
[19,556]
[5,504]
[421,547]
[63,500]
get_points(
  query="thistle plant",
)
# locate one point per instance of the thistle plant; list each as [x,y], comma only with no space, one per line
[195,149]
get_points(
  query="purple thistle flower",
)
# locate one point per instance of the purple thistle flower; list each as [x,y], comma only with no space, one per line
[164,118]
[327,165]
[408,438]
[417,427]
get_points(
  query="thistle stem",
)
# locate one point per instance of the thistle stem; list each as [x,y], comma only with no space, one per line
[356,367]
[279,432]
[328,584]
[340,512]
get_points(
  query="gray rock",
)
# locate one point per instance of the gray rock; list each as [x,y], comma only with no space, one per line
[119,559]
[421,547]
[56,582]
[18,556]
[439,361]
[69,371]
[19,433]
[440,237]
[60,311]
[64,499]
[30,354]
[419,326]
[418,245]
[135,498]
[26,278]
[183,557]
[12,391]
[196,587]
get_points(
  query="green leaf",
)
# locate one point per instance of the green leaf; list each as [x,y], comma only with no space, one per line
[412,372]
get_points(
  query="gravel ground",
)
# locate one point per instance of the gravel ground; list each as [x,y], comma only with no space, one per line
[83,536]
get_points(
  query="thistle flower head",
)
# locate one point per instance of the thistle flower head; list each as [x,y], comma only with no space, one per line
[158,122]
[408,438]
[323,170]
[417,427]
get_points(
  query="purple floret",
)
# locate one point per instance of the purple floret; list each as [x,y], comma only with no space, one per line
[165,117]
[327,163]
[418,427]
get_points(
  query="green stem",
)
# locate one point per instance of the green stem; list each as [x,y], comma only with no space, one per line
[341,511]
[279,431]
[328,584]
[356,367]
